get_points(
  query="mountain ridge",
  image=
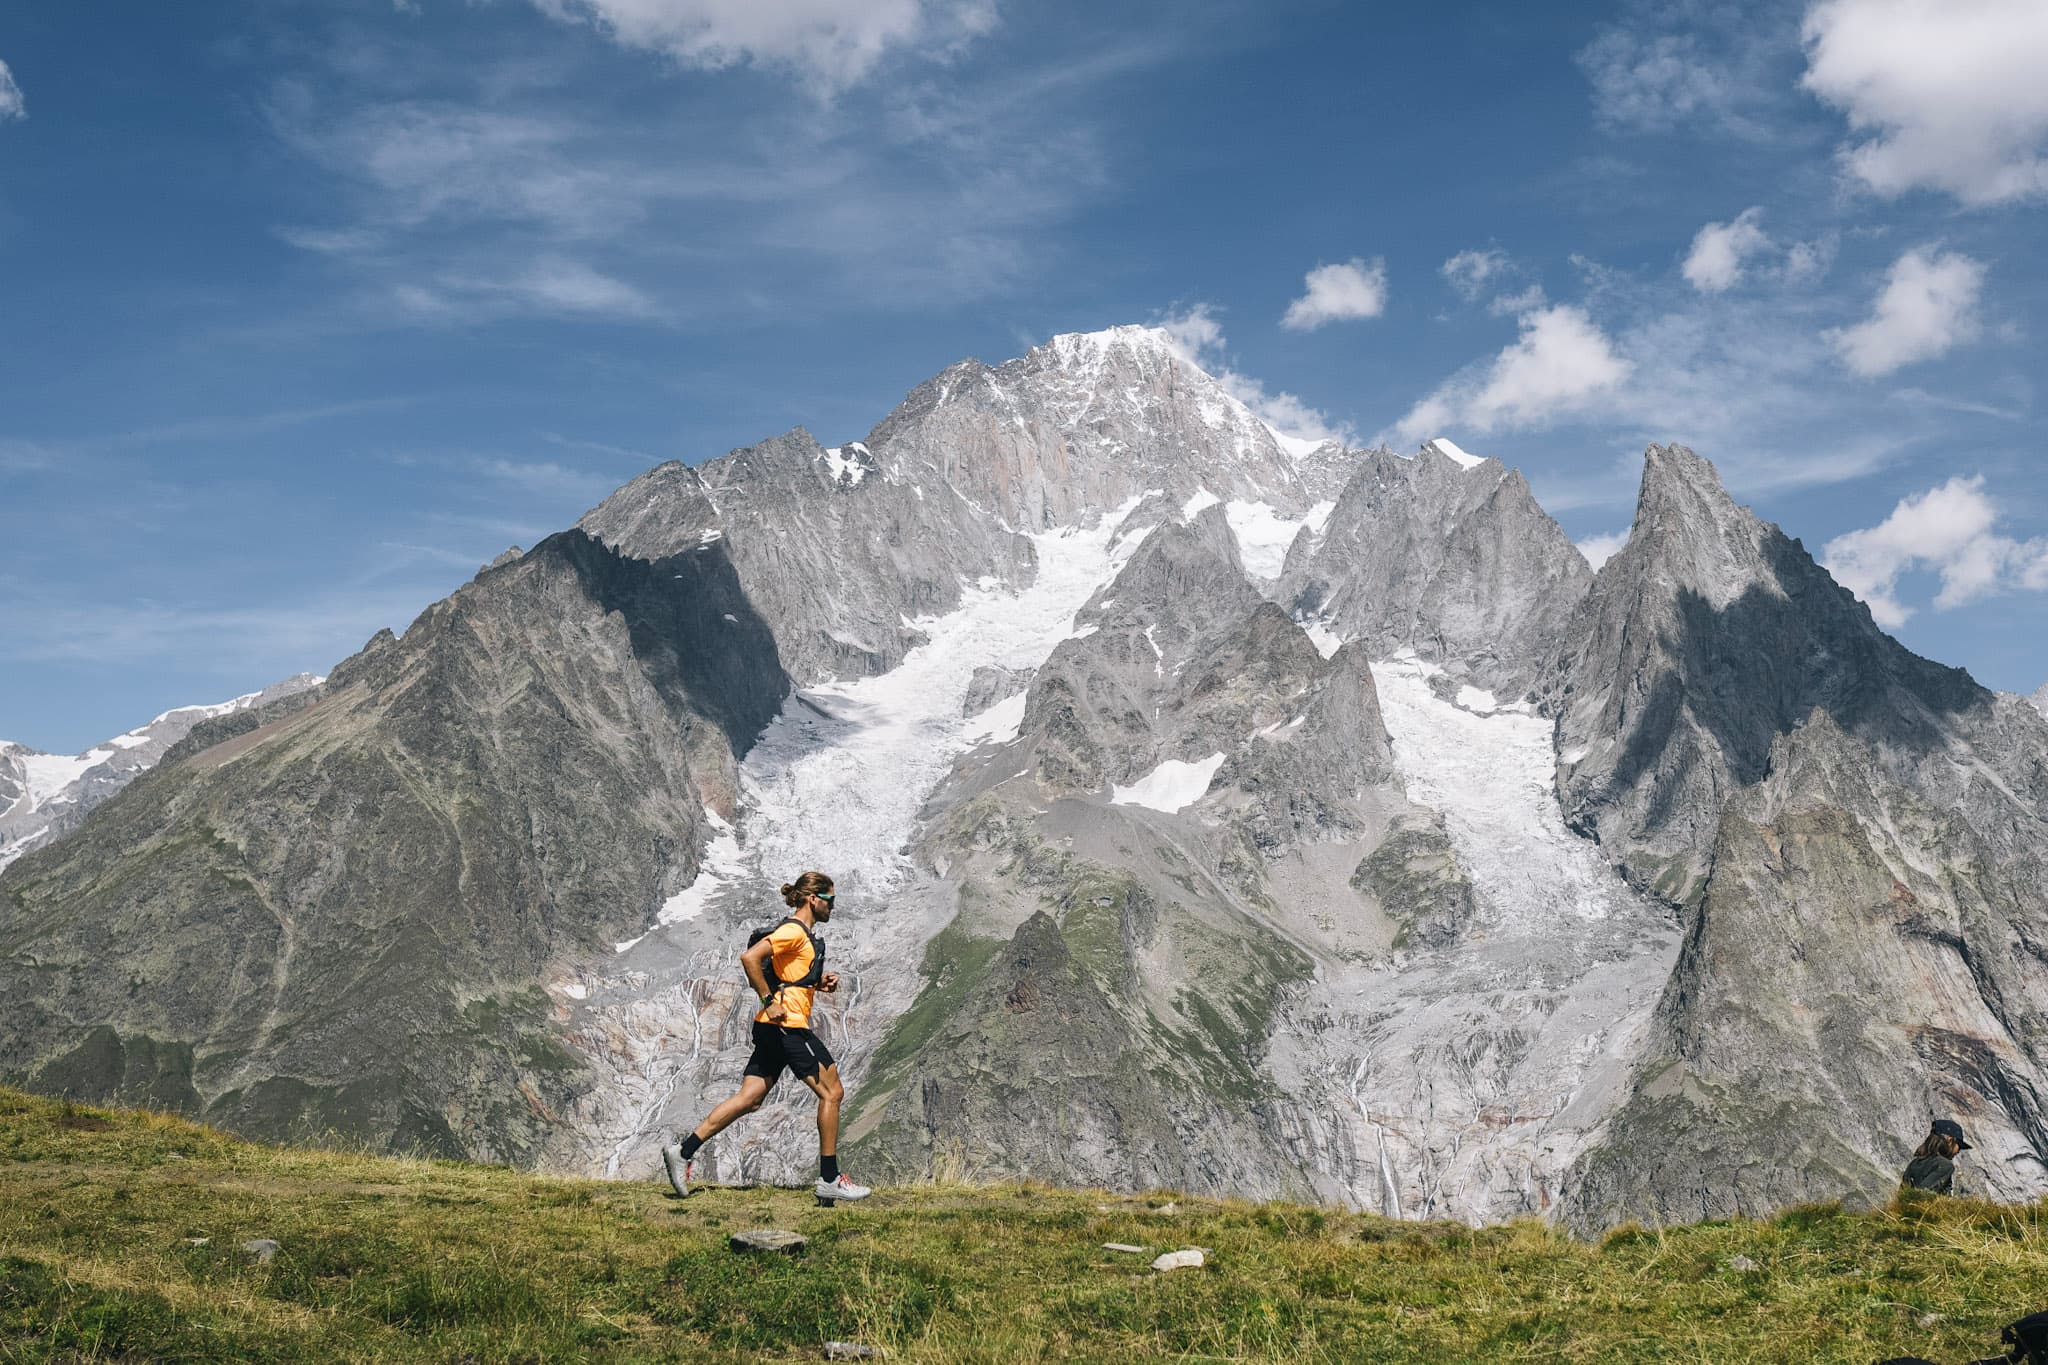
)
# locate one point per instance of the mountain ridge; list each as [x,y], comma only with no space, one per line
[1415,867]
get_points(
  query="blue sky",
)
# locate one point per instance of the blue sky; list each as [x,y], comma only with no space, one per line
[314,306]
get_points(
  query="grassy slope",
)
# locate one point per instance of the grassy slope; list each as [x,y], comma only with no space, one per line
[403,1260]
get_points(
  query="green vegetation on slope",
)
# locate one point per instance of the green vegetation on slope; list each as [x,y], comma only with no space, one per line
[101,1212]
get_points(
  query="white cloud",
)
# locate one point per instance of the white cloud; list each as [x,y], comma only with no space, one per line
[1949,93]
[1601,548]
[1719,251]
[832,44]
[1356,288]
[1195,331]
[1469,271]
[1927,306]
[11,103]
[1199,337]
[1950,530]
[1561,364]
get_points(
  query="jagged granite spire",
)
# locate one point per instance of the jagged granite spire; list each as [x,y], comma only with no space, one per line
[1444,554]
[1858,840]
[1707,636]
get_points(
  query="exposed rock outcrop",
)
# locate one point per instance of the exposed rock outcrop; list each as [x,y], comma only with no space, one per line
[331,920]
[1450,558]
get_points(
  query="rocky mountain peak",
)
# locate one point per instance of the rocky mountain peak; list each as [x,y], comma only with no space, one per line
[1444,448]
[1710,634]
[43,797]
[1695,533]
[656,515]
[2039,698]
[1444,554]
[1083,423]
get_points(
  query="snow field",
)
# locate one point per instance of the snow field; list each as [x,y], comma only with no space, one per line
[1490,773]
[1171,787]
[837,781]
[1263,535]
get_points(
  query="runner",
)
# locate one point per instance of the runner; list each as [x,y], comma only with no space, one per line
[786,969]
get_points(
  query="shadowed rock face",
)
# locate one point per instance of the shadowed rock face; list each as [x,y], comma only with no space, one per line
[1708,636]
[837,565]
[328,916]
[1857,837]
[1859,962]
[1456,563]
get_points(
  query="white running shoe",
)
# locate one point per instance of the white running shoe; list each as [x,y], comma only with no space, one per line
[842,1188]
[679,1170]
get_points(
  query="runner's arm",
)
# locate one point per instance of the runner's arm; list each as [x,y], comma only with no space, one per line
[754,962]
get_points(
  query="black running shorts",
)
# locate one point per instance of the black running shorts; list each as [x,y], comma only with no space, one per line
[776,1047]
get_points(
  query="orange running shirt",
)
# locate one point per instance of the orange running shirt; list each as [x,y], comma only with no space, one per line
[789,958]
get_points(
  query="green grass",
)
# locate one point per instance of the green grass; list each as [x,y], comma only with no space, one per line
[424,1260]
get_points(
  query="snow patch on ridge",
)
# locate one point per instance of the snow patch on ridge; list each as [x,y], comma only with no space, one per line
[722,864]
[1171,787]
[850,467]
[1451,450]
[1000,724]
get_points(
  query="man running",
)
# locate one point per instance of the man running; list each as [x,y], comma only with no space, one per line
[786,969]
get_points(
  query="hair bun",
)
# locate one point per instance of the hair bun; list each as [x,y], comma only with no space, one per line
[787,888]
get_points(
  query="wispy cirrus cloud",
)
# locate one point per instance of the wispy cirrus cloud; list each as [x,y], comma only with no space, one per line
[1470,272]
[457,204]
[12,105]
[253,641]
[1692,65]
[828,44]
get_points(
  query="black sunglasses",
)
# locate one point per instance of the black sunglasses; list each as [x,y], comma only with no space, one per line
[825,896]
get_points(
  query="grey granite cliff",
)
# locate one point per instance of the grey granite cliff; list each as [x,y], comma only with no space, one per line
[1452,560]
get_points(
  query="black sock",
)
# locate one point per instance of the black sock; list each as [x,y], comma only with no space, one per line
[828,1168]
[690,1146]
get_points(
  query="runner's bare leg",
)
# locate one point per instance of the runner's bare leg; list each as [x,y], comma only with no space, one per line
[752,1091]
[826,1086]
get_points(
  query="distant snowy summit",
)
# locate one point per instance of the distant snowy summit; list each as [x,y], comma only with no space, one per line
[45,796]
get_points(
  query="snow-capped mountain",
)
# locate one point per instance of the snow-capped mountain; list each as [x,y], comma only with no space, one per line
[46,796]
[1209,808]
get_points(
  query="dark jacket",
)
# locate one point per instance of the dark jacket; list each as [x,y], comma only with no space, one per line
[1936,1173]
